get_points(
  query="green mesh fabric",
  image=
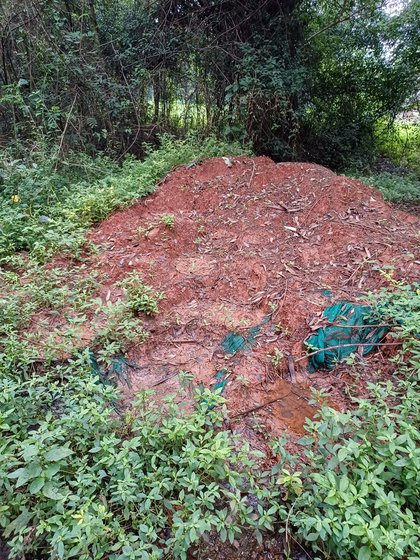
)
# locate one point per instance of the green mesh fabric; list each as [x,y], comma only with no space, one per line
[116,371]
[233,342]
[221,380]
[352,326]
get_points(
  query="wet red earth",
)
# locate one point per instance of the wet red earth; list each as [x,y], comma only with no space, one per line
[251,240]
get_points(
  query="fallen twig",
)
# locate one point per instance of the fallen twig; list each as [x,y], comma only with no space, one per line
[185,341]
[255,408]
[64,131]
[252,175]
[347,345]
[291,367]
[166,379]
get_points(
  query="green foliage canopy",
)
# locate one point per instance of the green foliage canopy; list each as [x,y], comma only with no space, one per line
[300,79]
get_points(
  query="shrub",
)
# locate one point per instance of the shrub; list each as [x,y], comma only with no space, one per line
[361,487]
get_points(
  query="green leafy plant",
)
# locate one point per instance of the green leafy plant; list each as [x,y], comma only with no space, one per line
[292,482]
[168,220]
[361,490]
[244,381]
[115,328]
[399,304]
[140,296]
[279,329]
[276,357]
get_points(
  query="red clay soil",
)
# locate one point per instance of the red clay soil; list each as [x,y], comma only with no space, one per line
[248,238]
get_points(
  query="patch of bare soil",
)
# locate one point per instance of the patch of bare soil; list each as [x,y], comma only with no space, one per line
[273,547]
[250,241]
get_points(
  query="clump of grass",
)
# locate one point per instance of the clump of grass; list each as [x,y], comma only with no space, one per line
[168,220]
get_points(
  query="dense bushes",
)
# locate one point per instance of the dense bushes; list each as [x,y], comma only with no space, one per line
[299,79]
[400,142]
[361,490]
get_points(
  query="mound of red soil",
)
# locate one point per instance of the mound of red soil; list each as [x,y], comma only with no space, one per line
[252,239]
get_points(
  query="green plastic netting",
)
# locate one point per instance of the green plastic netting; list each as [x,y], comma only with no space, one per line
[350,326]
[117,370]
[231,344]
[234,342]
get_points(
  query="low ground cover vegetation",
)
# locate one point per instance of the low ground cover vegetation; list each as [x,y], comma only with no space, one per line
[80,477]
[394,187]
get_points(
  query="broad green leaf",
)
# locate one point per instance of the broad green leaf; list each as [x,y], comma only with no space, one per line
[342,454]
[60,549]
[57,453]
[28,473]
[17,473]
[30,451]
[312,537]
[51,491]
[51,470]
[357,530]
[364,553]
[36,485]
[344,483]
[19,523]
[332,500]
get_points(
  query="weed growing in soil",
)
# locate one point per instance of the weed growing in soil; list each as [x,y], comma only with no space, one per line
[168,220]
[401,305]
[116,328]
[276,357]
[279,329]
[141,298]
